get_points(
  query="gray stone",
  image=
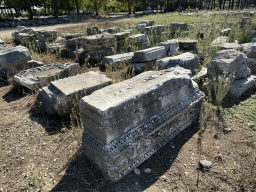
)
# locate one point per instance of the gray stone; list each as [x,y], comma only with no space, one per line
[154,30]
[201,75]
[188,44]
[205,164]
[46,35]
[113,30]
[121,35]
[231,61]
[246,20]
[147,170]
[98,42]
[139,40]
[127,122]
[74,43]
[1,42]
[141,27]
[225,32]
[185,60]
[41,76]
[68,36]
[92,30]
[240,86]
[55,47]
[219,41]
[249,49]
[145,66]
[136,171]
[230,46]
[149,54]
[118,59]
[147,22]
[170,47]
[251,63]
[174,27]
[58,96]
[12,56]
[60,40]
[95,56]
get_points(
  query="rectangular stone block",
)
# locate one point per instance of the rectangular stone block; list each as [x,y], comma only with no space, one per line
[240,86]
[97,42]
[185,60]
[41,76]
[118,59]
[121,35]
[58,96]
[125,123]
[149,54]
[140,40]
[170,47]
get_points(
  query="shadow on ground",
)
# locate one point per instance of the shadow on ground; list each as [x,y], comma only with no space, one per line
[81,175]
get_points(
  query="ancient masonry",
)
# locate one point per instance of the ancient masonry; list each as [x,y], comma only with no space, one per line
[127,122]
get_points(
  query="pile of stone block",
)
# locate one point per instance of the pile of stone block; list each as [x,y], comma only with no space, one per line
[59,95]
[233,63]
[35,78]
[145,59]
[126,123]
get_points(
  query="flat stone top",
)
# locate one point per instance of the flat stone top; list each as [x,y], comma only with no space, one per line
[131,89]
[151,49]
[228,54]
[100,36]
[80,82]
[6,49]
[184,56]
[137,35]
[188,41]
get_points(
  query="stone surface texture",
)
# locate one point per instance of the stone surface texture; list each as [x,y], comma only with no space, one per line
[188,44]
[46,35]
[41,76]
[231,46]
[126,123]
[149,54]
[97,42]
[147,22]
[92,30]
[140,40]
[118,59]
[185,60]
[57,97]
[240,86]
[251,63]
[170,47]
[178,26]
[219,41]
[231,61]
[249,49]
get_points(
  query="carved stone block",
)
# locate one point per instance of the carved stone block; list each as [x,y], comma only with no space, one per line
[58,96]
[118,59]
[41,76]
[127,122]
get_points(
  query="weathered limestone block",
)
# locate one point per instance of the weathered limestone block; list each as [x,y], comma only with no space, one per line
[12,56]
[230,61]
[140,40]
[178,26]
[121,35]
[154,30]
[118,59]
[185,60]
[170,47]
[41,76]
[230,46]
[55,47]
[144,66]
[1,42]
[97,42]
[113,30]
[92,30]
[251,63]
[68,36]
[201,75]
[46,35]
[74,43]
[141,27]
[127,122]
[219,41]
[149,54]
[147,22]
[246,20]
[225,32]
[249,49]
[188,44]
[95,56]
[240,86]
[58,96]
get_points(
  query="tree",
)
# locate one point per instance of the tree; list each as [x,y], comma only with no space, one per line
[129,3]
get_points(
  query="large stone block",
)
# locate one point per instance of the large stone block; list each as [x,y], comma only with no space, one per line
[249,49]
[41,76]
[178,26]
[92,30]
[118,59]
[95,56]
[185,60]
[139,40]
[251,63]
[97,42]
[74,43]
[147,22]
[149,54]
[125,123]
[219,41]
[154,30]
[46,35]
[170,47]
[231,46]
[121,35]
[231,61]
[240,86]
[58,96]
[13,56]
[188,44]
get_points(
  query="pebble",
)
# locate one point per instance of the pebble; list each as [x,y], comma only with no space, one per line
[163,190]
[206,164]
[24,175]
[147,170]
[173,146]
[136,171]
[31,184]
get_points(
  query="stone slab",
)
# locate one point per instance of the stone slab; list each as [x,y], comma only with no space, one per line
[12,56]
[230,46]
[97,42]
[170,47]
[149,54]
[140,40]
[92,30]
[57,97]
[240,86]
[125,123]
[147,22]
[249,49]
[251,63]
[185,60]
[201,75]
[178,26]
[121,35]
[118,59]
[188,44]
[41,76]
[219,41]
[46,35]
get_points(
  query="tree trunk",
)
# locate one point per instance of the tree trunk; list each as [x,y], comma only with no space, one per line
[229,5]
[130,7]
[77,7]
[220,3]
[224,4]
[96,7]
[232,5]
